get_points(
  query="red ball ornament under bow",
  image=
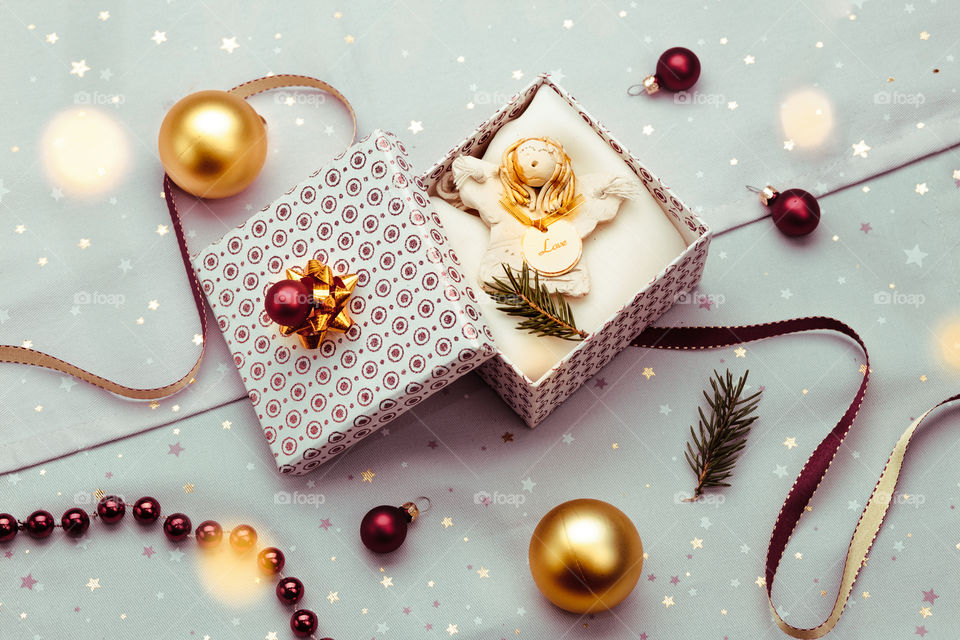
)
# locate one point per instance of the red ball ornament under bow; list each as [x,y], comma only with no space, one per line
[795,212]
[310,302]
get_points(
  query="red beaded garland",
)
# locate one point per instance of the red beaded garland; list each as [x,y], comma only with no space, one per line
[270,560]
[209,534]
[303,623]
[39,524]
[110,509]
[146,510]
[8,527]
[177,527]
[75,522]
[289,590]
[288,302]
[243,538]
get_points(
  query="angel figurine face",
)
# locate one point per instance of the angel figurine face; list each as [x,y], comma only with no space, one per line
[535,161]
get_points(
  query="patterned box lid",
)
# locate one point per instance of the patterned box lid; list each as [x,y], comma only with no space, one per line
[417,327]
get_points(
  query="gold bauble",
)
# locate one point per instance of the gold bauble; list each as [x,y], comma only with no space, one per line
[585,556]
[213,144]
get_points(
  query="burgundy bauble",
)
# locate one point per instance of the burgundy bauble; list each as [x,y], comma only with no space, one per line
[384,528]
[288,302]
[678,69]
[177,527]
[75,522]
[289,590]
[271,560]
[39,524]
[795,212]
[110,509]
[243,538]
[146,510]
[209,534]
[8,527]
[303,623]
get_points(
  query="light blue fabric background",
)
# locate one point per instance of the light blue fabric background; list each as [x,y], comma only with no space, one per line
[889,234]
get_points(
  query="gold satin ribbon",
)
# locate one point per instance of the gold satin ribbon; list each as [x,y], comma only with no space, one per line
[22,355]
[863,536]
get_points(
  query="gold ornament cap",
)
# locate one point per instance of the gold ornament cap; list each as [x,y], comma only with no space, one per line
[586,556]
[650,84]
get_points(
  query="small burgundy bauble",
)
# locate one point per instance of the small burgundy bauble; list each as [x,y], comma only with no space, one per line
[243,538]
[303,623]
[678,69]
[384,528]
[177,527]
[288,302]
[39,524]
[270,560]
[110,509]
[289,590]
[795,212]
[75,522]
[209,534]
[146,510]
[8,527]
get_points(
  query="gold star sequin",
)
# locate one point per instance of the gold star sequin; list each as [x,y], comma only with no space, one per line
[926,612]
[615,446]
[483,573]
[760,581]
[860,148]
[188,488]
[790,443]
[333,596]
[740,352]
[668,601]
[84,243]
[367,476]
[387,582]
[447,522]
[648,373]
[866,594]
[798,555]
[923,378]
[93,585]
[697,543]
[162,229]
[924,35]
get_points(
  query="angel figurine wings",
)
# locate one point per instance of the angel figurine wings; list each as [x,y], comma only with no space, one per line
[537,210]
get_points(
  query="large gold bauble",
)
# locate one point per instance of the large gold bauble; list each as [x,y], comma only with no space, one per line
[213,144]
[586,556]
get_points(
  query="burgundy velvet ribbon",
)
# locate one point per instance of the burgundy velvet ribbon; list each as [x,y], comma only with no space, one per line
[697,338]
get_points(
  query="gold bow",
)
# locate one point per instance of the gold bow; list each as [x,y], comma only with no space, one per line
[330,294]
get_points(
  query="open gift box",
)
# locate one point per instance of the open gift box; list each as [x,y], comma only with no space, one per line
[641,262]
[420,317]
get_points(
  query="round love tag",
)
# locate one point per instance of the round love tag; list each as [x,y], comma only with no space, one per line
[554,251]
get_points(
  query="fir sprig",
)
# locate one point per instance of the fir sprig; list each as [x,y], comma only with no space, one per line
[545,314]
[720,439]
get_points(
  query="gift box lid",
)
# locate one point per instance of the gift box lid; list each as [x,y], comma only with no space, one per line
[416,324]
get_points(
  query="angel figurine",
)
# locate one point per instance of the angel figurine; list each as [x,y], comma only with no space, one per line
[537,210]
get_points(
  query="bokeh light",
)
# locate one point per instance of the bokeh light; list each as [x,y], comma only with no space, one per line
[85,151]
[807,117]
[232,577]
[948,343]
